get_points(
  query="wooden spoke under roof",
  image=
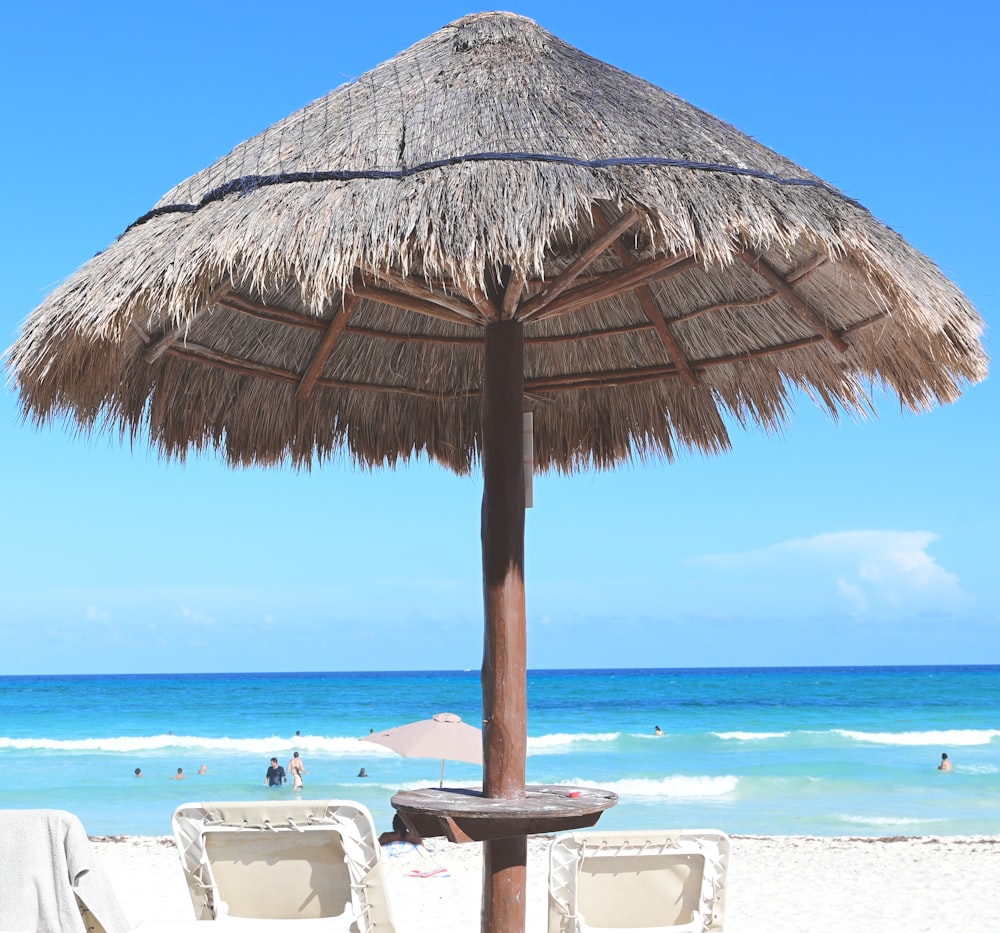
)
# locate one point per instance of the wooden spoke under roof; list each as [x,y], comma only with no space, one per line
[530,302]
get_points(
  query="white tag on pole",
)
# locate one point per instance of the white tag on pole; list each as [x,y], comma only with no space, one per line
[528,456]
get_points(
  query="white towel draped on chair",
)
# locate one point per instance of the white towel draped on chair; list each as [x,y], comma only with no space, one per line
[49,873]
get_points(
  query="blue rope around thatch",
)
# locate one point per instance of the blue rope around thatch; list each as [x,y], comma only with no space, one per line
[249,183]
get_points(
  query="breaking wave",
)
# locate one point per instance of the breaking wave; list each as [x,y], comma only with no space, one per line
[933,737]
[561,741]
[343,745]
[674,786]
[751,736]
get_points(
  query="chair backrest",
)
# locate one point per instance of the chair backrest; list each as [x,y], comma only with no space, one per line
[638,880]
[284,860]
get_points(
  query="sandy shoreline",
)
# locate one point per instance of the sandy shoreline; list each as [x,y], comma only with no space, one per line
[778,884]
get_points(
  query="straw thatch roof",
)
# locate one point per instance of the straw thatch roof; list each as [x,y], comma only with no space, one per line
[327,285]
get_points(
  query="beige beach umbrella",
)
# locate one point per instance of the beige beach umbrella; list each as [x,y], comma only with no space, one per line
[442,736]
[490,223]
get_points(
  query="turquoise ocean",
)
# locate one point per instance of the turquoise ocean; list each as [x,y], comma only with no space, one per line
[820,751]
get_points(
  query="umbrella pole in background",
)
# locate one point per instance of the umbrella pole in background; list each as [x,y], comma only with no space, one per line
[504,674]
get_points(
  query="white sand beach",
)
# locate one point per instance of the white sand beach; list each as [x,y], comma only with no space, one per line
[778,884]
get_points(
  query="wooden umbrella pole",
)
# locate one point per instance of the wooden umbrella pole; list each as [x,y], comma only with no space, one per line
[504,675]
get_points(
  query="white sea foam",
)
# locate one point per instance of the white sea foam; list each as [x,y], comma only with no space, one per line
[342,746]
[561,741]
[887,820]
[933,737]
[420,785]
[751,736]
[674,786]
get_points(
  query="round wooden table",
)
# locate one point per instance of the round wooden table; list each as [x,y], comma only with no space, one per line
[465,815]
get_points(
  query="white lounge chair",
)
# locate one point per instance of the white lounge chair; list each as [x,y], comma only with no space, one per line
[308,862]
[650,881]
[51,880]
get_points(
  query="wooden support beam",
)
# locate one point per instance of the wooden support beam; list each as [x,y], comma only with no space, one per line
[325,348]
[504,672]
[199,353]
[649,306]
[614,283]
[569,382]
[413,391]
[488,310]
[410,303]
[798,275]
[636,328]
[196,353]
[806,271]
[867,322]
[622,377]
[157,346]
[418,290]
[512,294]
[725,306]
[270,313]
[742,357]
[141,332]
[606,379]
[505,881]
[536,303]
[504,691]
[539,385]
[670,344]
[459,340]
[406,337]
[793,299]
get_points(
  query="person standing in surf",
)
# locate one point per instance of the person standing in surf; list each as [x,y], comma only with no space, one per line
[275,776]
[297,768]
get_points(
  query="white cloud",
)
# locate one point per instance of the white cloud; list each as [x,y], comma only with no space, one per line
[854,596]
[876,574]
[190,615]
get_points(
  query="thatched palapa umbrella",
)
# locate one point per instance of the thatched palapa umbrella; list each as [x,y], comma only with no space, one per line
[492,222]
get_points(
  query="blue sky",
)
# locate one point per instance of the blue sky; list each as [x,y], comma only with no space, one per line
[849,543]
